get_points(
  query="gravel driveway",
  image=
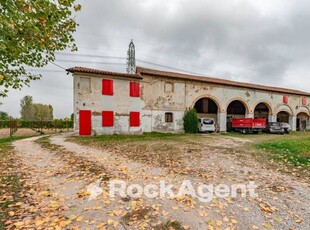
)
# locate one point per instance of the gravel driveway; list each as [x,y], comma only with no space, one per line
[78,177]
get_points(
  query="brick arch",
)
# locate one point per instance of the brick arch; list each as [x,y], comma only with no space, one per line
[303,109]
[266,103]
[217,102]
[284,108]
[247,107]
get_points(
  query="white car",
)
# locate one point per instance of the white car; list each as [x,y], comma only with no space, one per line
[286,126]
[206,125]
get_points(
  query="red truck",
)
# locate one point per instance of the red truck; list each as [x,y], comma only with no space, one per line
[248,125]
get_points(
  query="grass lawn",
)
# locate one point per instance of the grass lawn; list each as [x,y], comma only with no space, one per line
[294,150]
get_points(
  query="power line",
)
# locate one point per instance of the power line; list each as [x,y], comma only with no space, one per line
[45,70]
[231,76]
[169,67]
[58,65]
[91,62]
[177,52]
[88,55]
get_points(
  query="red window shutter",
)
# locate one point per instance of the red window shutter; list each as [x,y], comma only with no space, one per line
[107,87]
[107,118]
[285,99]
[304,101]
[134,119]
[134,89]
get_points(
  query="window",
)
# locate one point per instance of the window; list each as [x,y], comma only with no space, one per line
[304,101]
[134,119]
[168,117]
[134,89]
[168,87]
[107,87]
[107,118]
[84,85]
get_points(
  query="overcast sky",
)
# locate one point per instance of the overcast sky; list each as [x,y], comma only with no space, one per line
[261,41]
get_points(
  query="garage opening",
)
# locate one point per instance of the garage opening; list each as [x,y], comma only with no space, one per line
[235,109]
[283,117]
[302,121]
[261,111]
[207,108]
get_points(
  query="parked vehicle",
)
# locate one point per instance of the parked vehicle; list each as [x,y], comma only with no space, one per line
[206,125]
[248,125]
[274,127]
[286,126]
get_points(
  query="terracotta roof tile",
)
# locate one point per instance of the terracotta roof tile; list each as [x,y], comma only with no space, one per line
[142,70]
[78,69]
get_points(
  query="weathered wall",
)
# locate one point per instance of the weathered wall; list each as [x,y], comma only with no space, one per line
[185,93]
[160,95]
[121,103]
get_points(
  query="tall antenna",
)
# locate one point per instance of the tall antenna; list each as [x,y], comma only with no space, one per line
[131,58]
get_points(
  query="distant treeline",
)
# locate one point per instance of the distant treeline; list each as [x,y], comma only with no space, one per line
[54,124]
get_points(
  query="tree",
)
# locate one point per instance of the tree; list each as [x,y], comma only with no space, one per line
[35,111]
[43,112]
[31,33]
[4,116]
[190,121]
[27,111]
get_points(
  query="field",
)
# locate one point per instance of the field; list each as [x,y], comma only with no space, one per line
[5,132]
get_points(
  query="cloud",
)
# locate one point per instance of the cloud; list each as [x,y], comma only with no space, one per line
[264,42]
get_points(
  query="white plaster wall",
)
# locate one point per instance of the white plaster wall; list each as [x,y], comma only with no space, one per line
[154,121]
[120,103]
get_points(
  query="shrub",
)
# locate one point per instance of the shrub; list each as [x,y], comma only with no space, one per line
[190,121]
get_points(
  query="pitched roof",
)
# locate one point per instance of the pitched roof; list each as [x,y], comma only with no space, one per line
[78,69]
[152,72]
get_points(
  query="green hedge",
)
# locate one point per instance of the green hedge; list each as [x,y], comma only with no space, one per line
[55,124]
[190,121]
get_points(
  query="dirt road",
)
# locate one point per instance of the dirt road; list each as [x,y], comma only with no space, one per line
[72,189]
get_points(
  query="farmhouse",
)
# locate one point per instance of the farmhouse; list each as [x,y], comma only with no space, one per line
[152,100]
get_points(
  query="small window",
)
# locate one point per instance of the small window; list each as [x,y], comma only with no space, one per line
[168,87]
[107,87]
[134,119]
[107,118]
[168,117]
[85,85]
[134,89]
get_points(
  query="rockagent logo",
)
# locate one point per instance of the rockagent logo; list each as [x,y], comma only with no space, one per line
[203,192]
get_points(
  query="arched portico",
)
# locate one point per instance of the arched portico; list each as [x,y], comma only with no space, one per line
[283,108]
[263,110]
[236,108]
[206,107]
[302,122]
[284,113]
[210,106]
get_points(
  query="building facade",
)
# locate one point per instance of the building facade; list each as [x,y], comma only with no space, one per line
[155,101]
